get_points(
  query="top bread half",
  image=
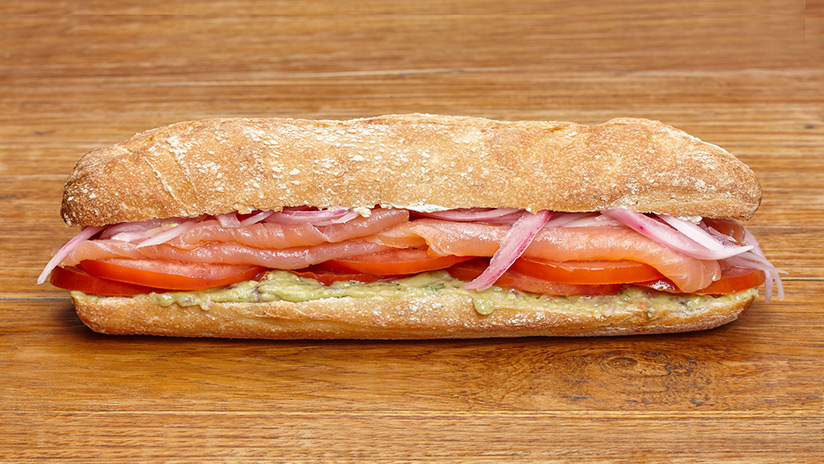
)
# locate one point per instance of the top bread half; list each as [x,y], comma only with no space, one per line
[408,161]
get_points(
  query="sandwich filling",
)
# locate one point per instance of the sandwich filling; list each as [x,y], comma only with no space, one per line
[287,286]
[544,253]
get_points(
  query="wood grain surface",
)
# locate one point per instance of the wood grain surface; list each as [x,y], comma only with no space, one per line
[76,75]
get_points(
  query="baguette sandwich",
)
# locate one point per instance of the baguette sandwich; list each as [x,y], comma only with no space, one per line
[410,227]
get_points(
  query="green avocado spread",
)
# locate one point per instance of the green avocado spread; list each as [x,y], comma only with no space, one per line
[286,286]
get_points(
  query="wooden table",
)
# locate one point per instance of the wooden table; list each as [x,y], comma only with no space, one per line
[744,75]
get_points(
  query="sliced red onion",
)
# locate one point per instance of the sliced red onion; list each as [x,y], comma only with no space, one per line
[773,274]
[346,217]
[597,220]
[750,238]
[567,219]
[669,237]
[352,214]
[310,216]
[704,243]
[725,239]
[750,260]
[769,280]
[130,228]
[315,214]
[167,235]
[517,240]
[132,236]
[255,218]
[753,259]
[128,231]
[472,214]
[693,231]
[228,220]
[143,230]
[84,235]
[779,286]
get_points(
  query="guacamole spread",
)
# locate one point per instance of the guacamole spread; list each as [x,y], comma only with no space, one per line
[286,286]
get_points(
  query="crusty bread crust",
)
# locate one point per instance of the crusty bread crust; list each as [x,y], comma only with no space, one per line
[441,316]
[222,165]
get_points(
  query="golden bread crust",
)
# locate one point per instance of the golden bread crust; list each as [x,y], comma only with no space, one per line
[441,316]
[222,165]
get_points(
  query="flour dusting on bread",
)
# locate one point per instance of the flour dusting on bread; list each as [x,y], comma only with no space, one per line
[220,165]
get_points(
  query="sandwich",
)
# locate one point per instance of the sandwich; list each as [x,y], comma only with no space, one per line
[410,227]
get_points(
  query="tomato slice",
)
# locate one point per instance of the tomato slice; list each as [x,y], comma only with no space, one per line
[512,279]
[731,281]
[170,275]
[72,278]
[586,272]
[329,276]
[395,262]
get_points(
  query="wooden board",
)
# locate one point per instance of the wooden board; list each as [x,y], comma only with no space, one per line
[743,75]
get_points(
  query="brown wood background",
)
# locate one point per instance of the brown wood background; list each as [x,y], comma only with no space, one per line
[746,75]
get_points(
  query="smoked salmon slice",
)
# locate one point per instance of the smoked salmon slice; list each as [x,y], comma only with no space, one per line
[294,246]
[611,243]
[279,246]
[225,252]
[274,236]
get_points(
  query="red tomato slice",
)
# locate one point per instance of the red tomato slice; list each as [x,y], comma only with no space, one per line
[328,276]
[586,272]
[732,281]
[72,278]
[511,279]
[395,262]
[171,275]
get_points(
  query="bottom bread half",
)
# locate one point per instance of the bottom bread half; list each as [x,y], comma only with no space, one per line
[413,317]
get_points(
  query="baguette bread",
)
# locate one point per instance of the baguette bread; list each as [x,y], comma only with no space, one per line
[409,317]
[420,163]
[409,161]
